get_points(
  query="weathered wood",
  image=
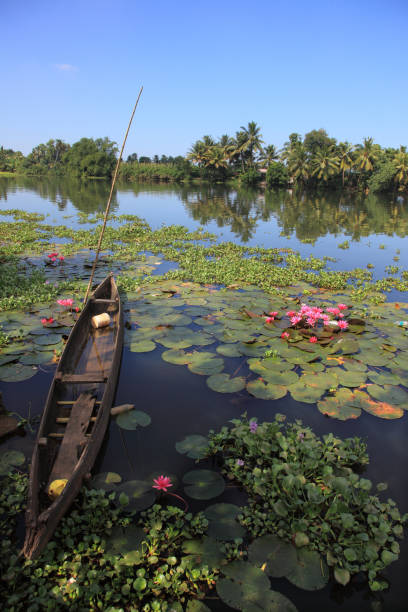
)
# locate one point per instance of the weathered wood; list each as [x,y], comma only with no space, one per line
[74,438]
[65,420]
[87,377]
[104,301]
[92,359]
[121,409]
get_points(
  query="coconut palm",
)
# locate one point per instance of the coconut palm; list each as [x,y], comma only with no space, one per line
[268,155]
[367,154]
[400,161]
[298,163]
[324,163]
[250,140]
[197,152]
[346,162]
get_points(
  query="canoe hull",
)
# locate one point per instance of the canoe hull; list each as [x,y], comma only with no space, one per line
[89,365]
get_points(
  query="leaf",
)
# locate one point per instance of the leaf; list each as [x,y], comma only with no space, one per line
[203,484]
[124,540]
[194,446]
[176,356]
[310,572]
[15,372]
[222,523]
[228,350]
[280,556]
[267,391]
[205,363]
[132,419]
[140,493]
[342,576]
[388,394]
[304,393]
[143,346]
[223,383]
[106,481]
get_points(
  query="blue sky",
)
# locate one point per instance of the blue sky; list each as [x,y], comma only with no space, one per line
[73,68]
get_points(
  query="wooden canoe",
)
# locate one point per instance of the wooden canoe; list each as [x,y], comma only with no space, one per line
[76,415]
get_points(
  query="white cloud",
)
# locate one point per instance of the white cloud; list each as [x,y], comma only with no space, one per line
[66,67]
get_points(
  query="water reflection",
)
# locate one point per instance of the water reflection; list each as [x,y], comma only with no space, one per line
[304,216]
[87,196]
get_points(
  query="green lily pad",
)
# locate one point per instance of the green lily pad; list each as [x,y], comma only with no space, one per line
[384,378]
[176,356]
[37,358]
[305,393]
[319,380]
[310,572]
[340,406]
[380,409]
[268,391]
[252,349]
[205,363]
[246,588]
[194,446]
[280,556]
[195,605]
[16,372]
[203,484]
[9,460]
[47,339]
[204,551]
[350,379]
[106,481]
[222,523]
[268,364]
[144,346]
[228,350]
[223,383]
[123,540]
[133,419]
[388,393]
[135,494]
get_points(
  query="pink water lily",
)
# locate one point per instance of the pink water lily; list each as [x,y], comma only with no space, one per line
[66,302]
[45,321]
[284,335]
[162,483]
[313,339]
[342,306]
[269,319]
[342,324]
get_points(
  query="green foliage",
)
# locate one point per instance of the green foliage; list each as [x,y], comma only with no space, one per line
[84,569]
[306,489]
[277,175]
[91,158]
[383,179]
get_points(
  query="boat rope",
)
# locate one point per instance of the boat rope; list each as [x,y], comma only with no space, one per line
[98,248]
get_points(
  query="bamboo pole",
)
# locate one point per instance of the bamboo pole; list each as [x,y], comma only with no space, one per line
[98,248]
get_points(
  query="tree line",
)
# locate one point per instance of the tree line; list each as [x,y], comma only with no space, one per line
[309,162]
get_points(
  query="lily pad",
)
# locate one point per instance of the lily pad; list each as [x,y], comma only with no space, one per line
[246,588]
[9,460]
[133,419]
[388,393]
[268,391]
[204,551]
[229,350]
[106,481]
[310,572]
[176,356]
[205,363]
[36,358]
[123,540]
[47,339]
[135,494]
[16,372]
[350,379]
[203,484]
[194,446]
[304,393]
[223,383]
[279,556]
[144,346]
[383,410]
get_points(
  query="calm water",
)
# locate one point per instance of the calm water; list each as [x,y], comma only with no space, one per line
[179,402]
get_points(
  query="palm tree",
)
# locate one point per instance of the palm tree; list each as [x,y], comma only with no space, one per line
[298,162]
[367,154]
[324,163]
[251,140]
[197,152]
[215,157]
[268,155]
[228,145]
[344,152]
[400,161]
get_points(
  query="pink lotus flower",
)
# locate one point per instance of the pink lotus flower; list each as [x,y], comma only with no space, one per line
[44,321]
[61,258]
[296,319]
[273,314]
[290,313]
[162,483]
[47,321]
[269,319]
[67,302]
[311,321]
[342,324]
[325,319]
[53,255]
[313,339]
[284,335]
[342,306]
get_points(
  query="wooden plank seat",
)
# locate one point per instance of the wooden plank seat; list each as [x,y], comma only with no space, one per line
[74,438]
[87,377]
